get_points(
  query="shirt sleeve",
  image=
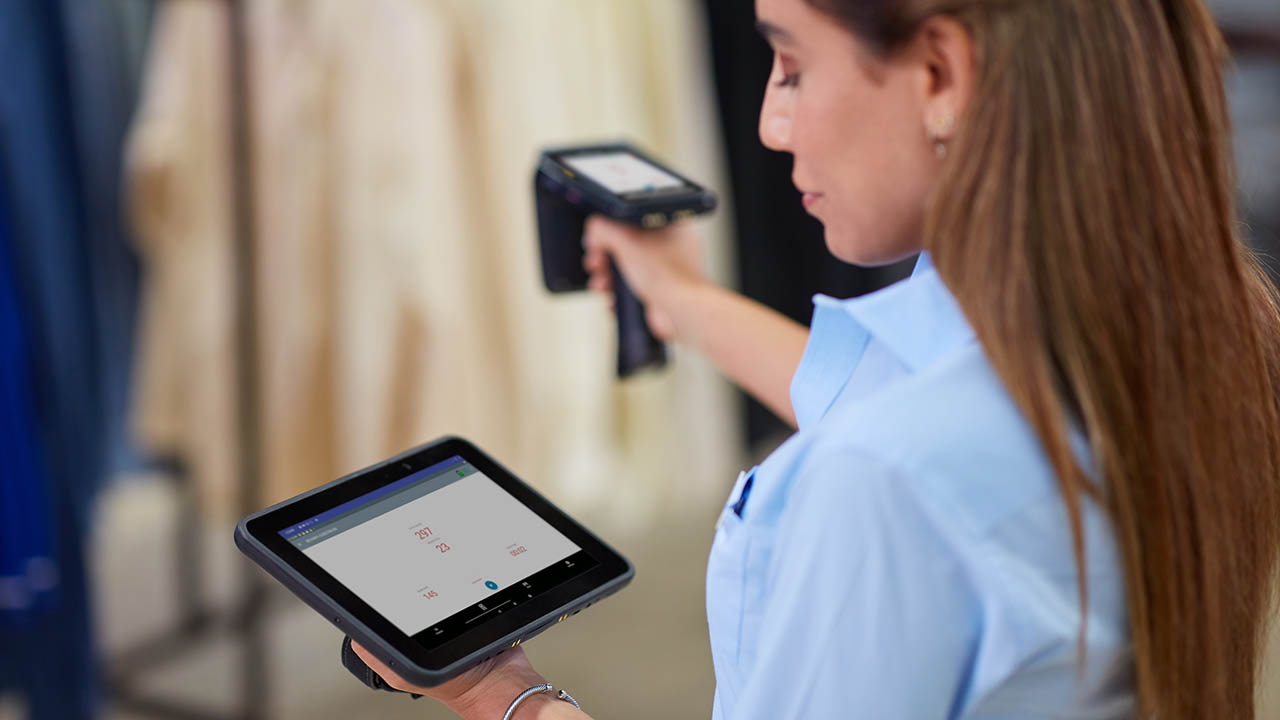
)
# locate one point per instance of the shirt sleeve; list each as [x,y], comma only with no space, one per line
[871,614]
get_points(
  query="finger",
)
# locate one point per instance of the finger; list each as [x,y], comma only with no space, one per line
[387,674]
[603,234]
[595,227]
[595,260]
[591,234]
[600,282]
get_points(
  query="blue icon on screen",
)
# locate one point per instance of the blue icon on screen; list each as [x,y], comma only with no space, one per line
[491,584]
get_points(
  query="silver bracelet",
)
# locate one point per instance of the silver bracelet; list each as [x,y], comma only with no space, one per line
[537,690]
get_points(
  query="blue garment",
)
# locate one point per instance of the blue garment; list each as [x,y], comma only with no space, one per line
[907,554]
[28,572]
[102,90]
[49,653]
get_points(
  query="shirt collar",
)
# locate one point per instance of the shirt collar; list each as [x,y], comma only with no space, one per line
[917,319]
[924,261]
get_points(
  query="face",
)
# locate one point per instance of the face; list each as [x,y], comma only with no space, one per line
[854,124]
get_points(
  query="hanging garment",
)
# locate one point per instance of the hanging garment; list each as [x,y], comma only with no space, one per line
[102,83]
[44,606]
[399,293]
[28,573]
[49,656]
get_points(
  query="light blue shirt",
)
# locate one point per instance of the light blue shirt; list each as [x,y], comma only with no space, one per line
[907,554]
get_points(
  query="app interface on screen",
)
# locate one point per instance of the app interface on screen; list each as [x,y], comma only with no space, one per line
[440,549]
[622,172]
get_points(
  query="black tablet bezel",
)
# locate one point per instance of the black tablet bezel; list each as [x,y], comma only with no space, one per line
[611,567]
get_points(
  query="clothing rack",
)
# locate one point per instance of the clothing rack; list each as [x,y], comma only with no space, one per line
[199,624]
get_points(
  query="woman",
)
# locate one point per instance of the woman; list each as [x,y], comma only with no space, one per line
[1039,477]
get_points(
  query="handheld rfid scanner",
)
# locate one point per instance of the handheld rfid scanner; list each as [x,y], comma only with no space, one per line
[621,182]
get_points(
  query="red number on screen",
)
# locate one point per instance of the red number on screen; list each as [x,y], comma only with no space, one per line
[443,547]
[517,551]
[423,533]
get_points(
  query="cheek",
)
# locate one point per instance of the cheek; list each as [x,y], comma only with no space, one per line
[865,157]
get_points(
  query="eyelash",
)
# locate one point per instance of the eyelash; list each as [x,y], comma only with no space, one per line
[791,80]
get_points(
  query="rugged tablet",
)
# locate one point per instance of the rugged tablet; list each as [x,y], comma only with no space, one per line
[435,559]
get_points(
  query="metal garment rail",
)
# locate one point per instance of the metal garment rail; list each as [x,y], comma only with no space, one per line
[244,622]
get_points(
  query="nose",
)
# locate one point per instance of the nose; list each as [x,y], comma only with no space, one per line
[776,112]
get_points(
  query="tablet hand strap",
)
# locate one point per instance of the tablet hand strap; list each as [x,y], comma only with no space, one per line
[364,673]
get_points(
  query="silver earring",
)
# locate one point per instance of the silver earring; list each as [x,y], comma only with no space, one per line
[938,128]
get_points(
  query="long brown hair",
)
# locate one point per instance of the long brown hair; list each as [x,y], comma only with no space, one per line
[1084,221]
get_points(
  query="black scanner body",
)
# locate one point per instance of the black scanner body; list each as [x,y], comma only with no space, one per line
[565,198]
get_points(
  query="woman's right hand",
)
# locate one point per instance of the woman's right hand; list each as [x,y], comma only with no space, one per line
[755,346]
[656,264]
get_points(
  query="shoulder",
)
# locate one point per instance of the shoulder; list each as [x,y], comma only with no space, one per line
[951,438]
[948,448]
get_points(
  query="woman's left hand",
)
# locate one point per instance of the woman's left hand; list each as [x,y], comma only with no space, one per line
[476,692]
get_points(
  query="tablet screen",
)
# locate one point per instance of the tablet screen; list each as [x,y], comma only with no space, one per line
[622,173]
[440,551]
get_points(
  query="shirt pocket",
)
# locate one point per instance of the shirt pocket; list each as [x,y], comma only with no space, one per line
[757,558]
[725,576]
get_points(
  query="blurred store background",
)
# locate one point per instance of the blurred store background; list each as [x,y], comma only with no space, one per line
[247,246]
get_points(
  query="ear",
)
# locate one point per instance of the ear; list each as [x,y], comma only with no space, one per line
[943,50]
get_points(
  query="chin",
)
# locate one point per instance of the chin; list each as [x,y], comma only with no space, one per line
[851,252]
[852,248]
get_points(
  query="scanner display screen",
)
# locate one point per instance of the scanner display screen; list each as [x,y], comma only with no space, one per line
[441,551]
[622,173]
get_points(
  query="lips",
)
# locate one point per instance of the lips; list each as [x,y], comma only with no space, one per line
[807,197]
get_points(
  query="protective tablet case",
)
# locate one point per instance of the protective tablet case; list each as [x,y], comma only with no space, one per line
[351,625]
[362,672]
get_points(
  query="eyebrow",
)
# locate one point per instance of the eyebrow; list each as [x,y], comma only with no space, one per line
[773,33]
